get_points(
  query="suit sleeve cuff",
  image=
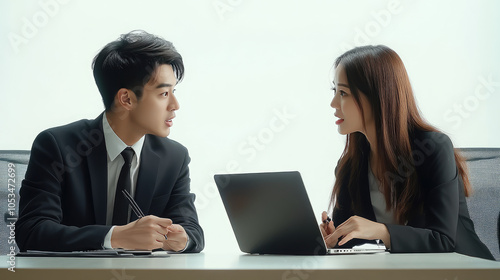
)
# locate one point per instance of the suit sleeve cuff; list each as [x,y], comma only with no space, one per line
[107,239]
[188,243]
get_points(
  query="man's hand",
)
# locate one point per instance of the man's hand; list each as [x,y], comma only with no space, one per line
[176,238]
[146,233]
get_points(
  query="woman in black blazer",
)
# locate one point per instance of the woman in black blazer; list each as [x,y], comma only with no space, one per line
[399,179]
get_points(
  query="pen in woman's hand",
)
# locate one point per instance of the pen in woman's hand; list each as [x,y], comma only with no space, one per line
[327,224]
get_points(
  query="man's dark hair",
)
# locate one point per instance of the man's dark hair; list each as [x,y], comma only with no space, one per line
[131,61]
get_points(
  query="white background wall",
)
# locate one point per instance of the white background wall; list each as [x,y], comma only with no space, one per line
[256,92]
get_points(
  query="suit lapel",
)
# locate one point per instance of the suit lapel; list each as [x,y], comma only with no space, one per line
[146,180]
[97,164]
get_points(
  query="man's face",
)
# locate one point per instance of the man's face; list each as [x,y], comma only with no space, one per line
[154,111]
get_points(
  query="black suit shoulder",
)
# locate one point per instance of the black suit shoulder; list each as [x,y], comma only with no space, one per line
[166,145]
[434,158]
[430,142]
[77,129]
[79,136]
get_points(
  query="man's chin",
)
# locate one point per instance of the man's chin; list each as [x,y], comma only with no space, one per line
[162,133]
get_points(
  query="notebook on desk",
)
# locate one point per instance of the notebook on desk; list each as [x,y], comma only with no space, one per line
[104,253]
[270,213]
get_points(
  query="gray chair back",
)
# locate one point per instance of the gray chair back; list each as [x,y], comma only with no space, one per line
[13,166]
[484,203]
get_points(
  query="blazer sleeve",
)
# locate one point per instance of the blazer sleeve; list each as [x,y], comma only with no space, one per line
[39,226]
[181,210]
[438,178]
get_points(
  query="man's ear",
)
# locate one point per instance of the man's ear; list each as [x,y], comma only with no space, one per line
[125,99]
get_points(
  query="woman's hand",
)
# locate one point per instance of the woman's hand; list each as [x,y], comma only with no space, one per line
[326,227]
[358,227]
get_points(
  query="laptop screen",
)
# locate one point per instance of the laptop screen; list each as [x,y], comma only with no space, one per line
[270,213]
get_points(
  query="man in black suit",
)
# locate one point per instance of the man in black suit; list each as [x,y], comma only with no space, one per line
[71,198]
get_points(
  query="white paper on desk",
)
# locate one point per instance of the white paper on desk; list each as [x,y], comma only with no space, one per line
[91,253]
[369,246]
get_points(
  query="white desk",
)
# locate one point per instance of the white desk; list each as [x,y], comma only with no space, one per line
[449,266]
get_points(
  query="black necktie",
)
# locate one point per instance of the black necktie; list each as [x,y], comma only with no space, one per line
[120,209]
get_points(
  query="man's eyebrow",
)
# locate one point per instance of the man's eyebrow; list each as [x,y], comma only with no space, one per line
[164,85]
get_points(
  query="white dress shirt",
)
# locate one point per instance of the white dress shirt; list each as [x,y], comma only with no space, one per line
[114,147]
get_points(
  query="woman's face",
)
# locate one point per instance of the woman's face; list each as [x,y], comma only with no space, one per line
[346,109]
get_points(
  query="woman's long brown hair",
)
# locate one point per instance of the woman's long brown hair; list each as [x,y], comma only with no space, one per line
[379,73]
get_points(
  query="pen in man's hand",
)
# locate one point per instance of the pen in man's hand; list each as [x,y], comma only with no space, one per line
[135,207]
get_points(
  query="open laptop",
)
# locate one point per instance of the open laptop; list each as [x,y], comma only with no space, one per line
[270,213]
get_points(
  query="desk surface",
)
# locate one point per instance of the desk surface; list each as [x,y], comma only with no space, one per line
[228,266]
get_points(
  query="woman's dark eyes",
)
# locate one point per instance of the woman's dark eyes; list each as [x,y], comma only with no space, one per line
[342,93]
